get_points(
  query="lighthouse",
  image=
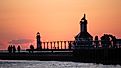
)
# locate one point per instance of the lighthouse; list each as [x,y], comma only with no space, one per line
[83,39]
[38,41]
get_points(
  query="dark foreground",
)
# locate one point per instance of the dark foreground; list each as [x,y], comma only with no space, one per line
[87,55]
[50,64]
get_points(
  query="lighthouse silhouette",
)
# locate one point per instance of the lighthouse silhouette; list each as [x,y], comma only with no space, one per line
[83,38]
[38,41]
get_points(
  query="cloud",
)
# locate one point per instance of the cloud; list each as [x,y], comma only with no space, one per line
[20,41]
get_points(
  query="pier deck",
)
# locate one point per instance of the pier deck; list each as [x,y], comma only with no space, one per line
[89,55]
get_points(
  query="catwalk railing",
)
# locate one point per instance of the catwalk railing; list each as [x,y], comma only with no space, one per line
[56,44]
[71,44]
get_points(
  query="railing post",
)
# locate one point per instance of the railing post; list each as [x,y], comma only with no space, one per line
[58,44]
[65,44]
[61,44]
[44,44]
[69,45]
[51,44]
[47,45]
[54,44]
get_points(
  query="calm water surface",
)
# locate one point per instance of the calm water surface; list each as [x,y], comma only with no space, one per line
[50,64]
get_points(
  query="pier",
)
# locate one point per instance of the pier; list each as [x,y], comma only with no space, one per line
[105,50]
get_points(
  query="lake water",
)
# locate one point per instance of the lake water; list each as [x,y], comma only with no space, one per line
[50,64]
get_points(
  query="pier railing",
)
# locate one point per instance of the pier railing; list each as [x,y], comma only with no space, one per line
[70,45]
[56,44]
[65,45]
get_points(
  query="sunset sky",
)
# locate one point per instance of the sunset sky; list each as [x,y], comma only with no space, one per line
[56,19]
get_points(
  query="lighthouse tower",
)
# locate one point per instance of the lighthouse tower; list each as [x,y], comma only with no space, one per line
[38,41]
[83,39]
[83,24]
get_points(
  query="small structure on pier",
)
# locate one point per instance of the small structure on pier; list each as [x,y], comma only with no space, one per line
[83,39]
[108,41]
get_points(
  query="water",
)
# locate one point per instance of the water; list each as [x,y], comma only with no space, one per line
[50,64]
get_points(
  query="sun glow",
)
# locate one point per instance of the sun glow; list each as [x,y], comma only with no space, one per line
[57,19]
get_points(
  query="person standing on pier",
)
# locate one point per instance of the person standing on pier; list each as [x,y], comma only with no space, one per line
[10,48]
[14,49]
[19,48]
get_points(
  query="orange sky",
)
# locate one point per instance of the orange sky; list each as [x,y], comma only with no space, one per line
[57,19]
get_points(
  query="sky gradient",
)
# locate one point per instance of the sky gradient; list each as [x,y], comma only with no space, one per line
[56,19]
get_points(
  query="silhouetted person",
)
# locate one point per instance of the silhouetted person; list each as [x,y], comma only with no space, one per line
[14,49]
[9,49]
[31,48]
[18,48]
